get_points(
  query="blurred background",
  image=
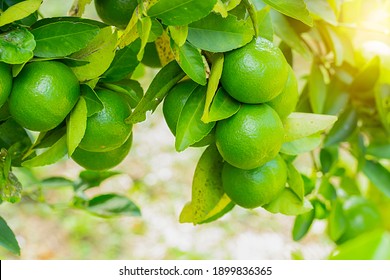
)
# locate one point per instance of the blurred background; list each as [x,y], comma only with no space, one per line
[158,180]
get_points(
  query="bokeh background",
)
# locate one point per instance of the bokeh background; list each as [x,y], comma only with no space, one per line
[158,180]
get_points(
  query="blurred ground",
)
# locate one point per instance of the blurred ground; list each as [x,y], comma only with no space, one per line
[158,180]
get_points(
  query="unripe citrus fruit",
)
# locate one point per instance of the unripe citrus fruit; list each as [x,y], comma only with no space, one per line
[102,160]
[284,104]
[255,73]
[361,216]
[5,82]
[116,12]
[106,130]
[175,101]
[255,187]
[251,137]
[43,94]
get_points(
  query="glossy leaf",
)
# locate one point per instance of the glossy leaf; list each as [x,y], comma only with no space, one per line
[179,34]
[46,21]
[379,151]
[288,203]
[190,128]
[76,125]
[16,46]
[93,102]
[90,179]
[217,34]
[124,63]
[378,175]
[302,225]
[213,83]
[296,9]
[19,11]
[99,53]
[300,125]
[343,128]
[223,106]
[168,76]
[191,61]
[321,10]
[264,24]
[7,238]
[62,38]
[177,12]
[337,222]
[366,79]
[382,100]
[131,89]
[374,245]
[302,145]
[208,200]
[317,89]
[109,205]
[50,156]
[144,26]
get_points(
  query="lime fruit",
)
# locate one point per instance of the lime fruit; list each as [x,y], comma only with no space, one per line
[103,160]
[251,137]
[255,187]
[361,215]
[255,73]
[43,94]
[284,104]
[116,12]
[106,130]
[5,82]
[174,102]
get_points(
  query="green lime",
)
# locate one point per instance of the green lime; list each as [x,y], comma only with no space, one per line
[106,130]
[116,12]
[43,94]
[174,102]
[251,137]
[102,160]
[284,104]
[255,73]
[255,187]
[5,82]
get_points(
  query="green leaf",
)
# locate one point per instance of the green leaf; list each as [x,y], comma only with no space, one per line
[47,139]
[124,63]
[223,106]
[302,225]
[374,245]
[379,151]
[296,9]
[165,79]
[16,46]
[99,53]
[217,34]
[285,32]
[7,238]
[295,181]
[144,27]
[191,61]
[302,145]
[178,34]
[252,14]
[93,102]
[50,156]
[382,100]
[213,83]
[317,89]
[76,125]
[90,179]
[46,21]
[130,88]
[378,175]
[78,7]
[343,128]
[177,12]
[300,125]
[10,187]
[208,201]
[264,24]
[19,11]
[337,222]
[366,79]
[56,182]
[288,203]
[111,205]
[190,128]
[62,38]
[321,9]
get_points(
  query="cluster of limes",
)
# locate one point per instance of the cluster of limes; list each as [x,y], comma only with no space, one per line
[259,77]
[41,97]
